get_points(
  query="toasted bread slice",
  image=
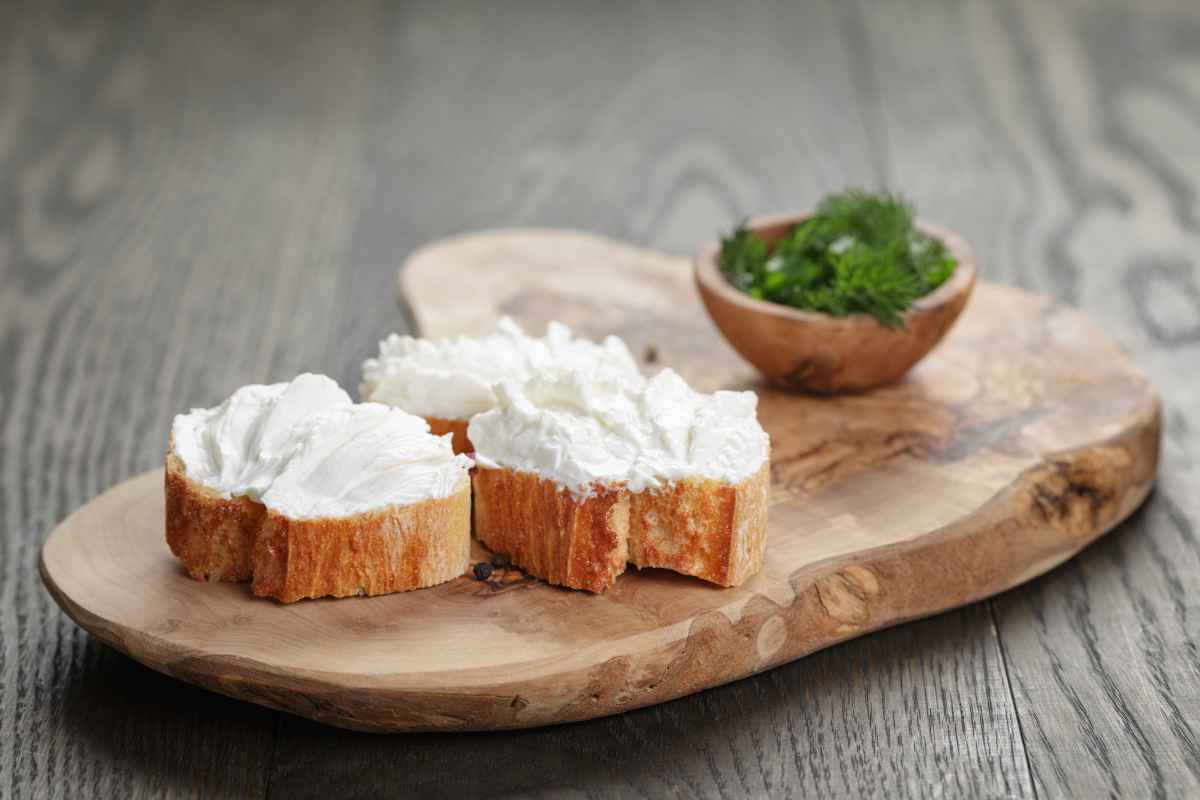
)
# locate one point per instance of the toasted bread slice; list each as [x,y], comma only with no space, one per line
[395,549]
[295,487]
[579,473]
[712,530]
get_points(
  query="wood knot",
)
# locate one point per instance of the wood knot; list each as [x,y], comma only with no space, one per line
[846,595]
[771,637]
[1077,496]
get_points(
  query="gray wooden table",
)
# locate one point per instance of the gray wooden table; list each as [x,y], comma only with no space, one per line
[194,196]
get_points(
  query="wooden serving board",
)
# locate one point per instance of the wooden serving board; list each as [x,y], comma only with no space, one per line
[1022,438]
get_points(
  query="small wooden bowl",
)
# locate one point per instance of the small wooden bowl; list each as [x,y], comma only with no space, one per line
[821,353]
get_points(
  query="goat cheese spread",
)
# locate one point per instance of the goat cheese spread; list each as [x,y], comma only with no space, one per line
[305,450]
[581,430]
[454,379]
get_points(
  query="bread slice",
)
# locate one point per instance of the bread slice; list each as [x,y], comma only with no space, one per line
[395,549]
[307,494]
[712,530]
[578,474]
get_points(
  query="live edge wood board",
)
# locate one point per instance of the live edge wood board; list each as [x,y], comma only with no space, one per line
[1024,436]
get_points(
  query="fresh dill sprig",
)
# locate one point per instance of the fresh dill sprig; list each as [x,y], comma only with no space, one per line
[858,254]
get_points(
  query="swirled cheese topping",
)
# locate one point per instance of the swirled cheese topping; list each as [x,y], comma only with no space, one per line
[455,378]
[582,431]
[238,447]
[353,459]
[304,449]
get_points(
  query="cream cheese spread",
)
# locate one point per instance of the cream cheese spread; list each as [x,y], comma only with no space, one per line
[238,447]
[455,378]
[582,431]
[306,450]
[353,459]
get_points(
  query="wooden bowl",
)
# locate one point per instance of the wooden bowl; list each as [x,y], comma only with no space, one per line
[824,354]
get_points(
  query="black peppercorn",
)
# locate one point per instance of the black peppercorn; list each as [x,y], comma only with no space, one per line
[500,560]
[483,571]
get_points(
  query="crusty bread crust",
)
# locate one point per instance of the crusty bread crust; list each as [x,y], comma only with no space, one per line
[395,549]
[213,536]
[549,533]
[704,528]
[391,550]
[458,427]
[715,531]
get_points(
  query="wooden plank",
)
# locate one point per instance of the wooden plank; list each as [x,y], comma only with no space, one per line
[946,153]
[174,188]
[1104,654]
[1061,144]
[235,94]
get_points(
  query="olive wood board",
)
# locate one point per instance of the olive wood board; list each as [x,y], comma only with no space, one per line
[1024,436]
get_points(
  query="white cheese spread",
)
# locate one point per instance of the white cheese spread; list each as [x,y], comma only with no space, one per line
[305,450]
[582,431]
[455,379]
[353,459]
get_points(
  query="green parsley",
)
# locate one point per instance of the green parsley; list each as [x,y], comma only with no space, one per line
[858,254]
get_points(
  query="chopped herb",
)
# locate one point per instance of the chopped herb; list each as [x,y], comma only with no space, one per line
[858,254]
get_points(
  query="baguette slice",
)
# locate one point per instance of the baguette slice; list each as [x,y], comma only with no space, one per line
[395,549]
[712,530]
[306,494]
[579,473]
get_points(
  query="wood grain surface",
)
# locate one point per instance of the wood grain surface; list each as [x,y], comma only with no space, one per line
[196,196]
[1020,440]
